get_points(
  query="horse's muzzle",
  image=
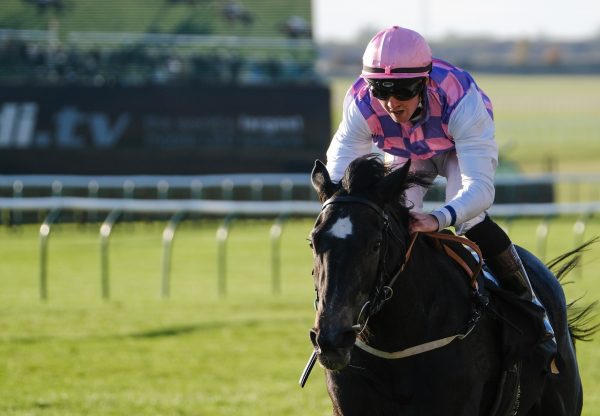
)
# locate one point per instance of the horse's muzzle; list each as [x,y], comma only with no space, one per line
[333,346]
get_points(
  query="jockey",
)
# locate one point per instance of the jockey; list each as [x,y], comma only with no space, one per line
[413,106]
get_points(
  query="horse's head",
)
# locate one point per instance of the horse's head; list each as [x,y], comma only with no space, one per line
[351,243]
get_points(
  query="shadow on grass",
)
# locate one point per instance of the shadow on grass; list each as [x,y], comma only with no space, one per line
[187,329]
[163,332]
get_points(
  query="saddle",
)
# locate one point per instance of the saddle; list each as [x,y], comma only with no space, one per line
[520,332]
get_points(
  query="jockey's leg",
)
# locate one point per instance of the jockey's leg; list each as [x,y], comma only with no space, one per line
[501,257]
[497,249]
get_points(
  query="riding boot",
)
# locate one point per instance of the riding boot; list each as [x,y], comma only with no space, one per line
[503,260]
[508,268]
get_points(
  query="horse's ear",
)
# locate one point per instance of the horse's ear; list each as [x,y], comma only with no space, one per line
[322,182]
[392,185]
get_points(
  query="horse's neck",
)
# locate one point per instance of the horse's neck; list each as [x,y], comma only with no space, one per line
[431,299]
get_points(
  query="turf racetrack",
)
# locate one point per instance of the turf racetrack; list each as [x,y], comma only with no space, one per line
[194,353]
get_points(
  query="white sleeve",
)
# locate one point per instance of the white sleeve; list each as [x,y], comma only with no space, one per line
[472,129]
[351,140]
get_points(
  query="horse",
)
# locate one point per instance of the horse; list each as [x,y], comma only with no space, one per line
[401,330]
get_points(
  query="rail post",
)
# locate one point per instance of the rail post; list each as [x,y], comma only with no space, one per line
[128,193]
[162,189]
[167,239]
[93,188]
[227,189]
[256,189]
[105,231]
[162,193]
[275,233]
[287,186]
[17,216]
[542,238]
[45,229]
[57,188]
[196,189]
[508,223]
[578,231]
[222,237]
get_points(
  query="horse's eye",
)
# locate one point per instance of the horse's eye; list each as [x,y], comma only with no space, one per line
[310,243]
[377,245]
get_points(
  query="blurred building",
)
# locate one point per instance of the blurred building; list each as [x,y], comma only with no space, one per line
[484,55]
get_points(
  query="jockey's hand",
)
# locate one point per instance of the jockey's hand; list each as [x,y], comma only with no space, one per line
[420,222]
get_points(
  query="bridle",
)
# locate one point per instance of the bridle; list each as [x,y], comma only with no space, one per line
[382,290]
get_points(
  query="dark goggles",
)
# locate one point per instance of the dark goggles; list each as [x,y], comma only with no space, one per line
[401,89]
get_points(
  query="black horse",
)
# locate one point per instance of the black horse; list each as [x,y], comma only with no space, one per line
[381,295]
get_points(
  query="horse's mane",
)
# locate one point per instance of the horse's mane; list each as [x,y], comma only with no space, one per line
[363,174]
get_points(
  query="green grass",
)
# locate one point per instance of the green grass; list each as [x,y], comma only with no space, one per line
[194,353]
[547,117]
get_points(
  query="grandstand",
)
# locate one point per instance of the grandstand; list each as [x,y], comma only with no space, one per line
[159,87]
[61,42]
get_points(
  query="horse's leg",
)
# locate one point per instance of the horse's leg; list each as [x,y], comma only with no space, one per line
[563,393]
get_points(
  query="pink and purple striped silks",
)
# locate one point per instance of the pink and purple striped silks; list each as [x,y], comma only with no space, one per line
[429,136]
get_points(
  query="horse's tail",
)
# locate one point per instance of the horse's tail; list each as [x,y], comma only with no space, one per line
[582,319]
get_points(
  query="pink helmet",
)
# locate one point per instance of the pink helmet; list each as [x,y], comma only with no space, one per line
[397,53]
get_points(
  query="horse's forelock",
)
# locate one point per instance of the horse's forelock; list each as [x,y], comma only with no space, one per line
[363,174]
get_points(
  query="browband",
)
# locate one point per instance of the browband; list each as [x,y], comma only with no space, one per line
[354,199]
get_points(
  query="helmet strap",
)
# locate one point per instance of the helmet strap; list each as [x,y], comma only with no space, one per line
[420,107]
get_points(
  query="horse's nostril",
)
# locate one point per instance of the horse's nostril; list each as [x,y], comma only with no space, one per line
[330,340]
[348,338]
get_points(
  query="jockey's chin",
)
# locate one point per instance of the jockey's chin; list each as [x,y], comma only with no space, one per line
[400,111]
